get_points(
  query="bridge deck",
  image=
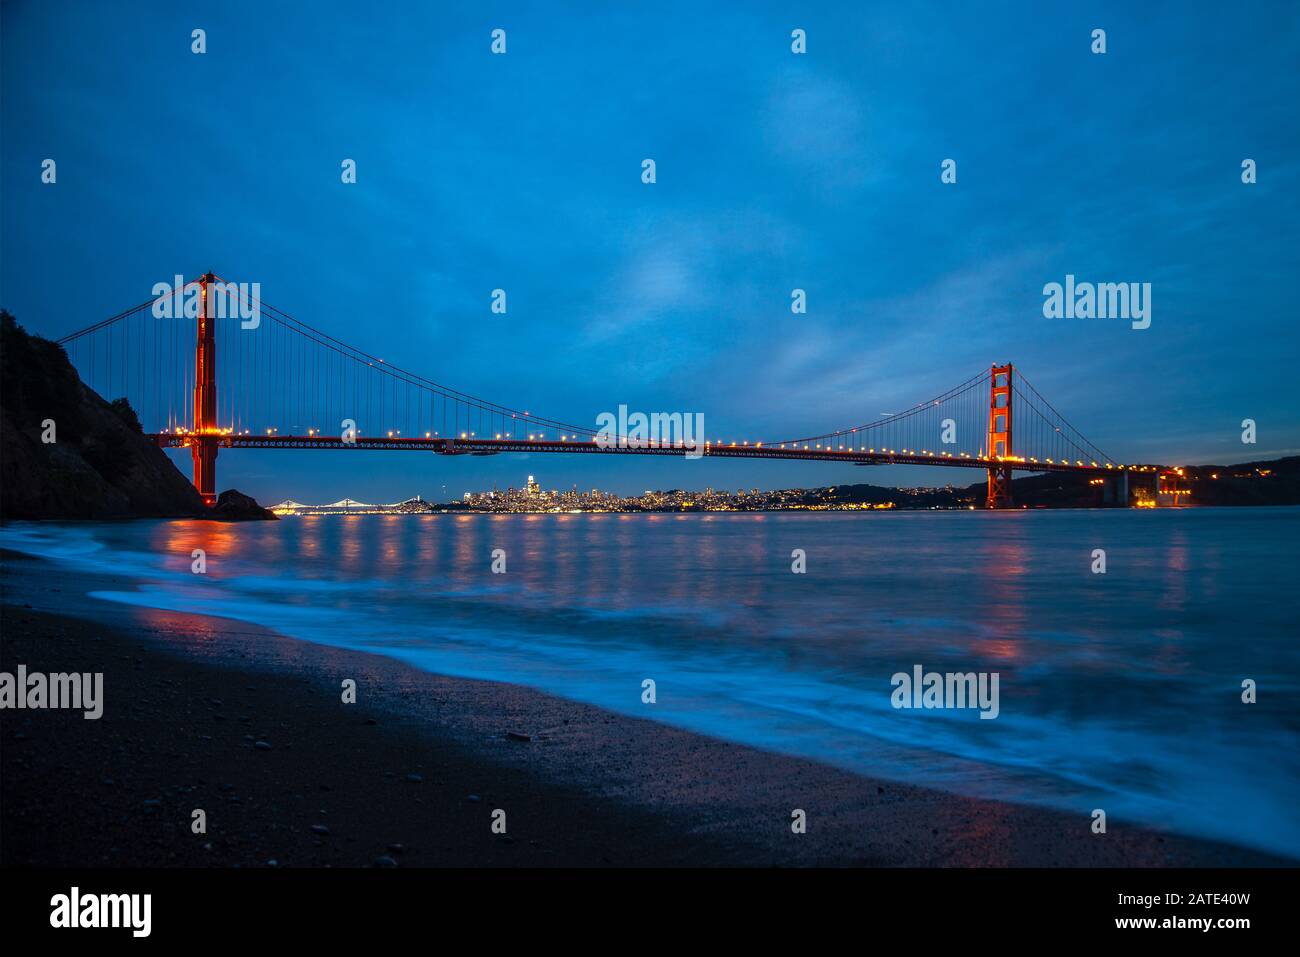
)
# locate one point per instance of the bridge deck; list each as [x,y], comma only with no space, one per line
[476,446]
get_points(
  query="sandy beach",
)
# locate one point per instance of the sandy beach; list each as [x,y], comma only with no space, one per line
[250,727]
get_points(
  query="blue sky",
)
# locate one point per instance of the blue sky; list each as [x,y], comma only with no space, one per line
[775,171]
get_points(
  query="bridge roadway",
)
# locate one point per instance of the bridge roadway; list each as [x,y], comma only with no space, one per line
[477,446]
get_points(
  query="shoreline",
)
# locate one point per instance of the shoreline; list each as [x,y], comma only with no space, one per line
[411,773]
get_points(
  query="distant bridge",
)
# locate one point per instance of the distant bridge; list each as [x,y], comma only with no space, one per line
[349,507]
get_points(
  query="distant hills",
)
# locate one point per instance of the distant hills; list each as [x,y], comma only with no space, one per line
[1270,482]
[1274,482]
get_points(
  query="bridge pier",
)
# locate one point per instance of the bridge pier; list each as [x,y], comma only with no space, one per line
[999,487]
[1115,491]
[204,451]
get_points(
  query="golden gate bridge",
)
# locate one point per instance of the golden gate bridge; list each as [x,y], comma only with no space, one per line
[283,384]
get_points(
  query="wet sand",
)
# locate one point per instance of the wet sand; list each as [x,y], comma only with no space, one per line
[250,727]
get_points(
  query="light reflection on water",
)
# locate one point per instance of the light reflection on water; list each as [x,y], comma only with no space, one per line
[1119,690]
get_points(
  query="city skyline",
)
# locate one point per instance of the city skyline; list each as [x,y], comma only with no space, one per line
[532,498]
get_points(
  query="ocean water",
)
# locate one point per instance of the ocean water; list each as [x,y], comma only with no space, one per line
[1119,690]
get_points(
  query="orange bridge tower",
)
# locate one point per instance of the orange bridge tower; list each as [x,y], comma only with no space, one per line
[203,445]
[1000,436]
